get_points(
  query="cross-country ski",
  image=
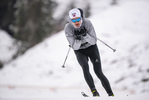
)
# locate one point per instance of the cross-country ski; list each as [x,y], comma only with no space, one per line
[85,95]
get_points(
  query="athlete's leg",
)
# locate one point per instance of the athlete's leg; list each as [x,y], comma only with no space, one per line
[83,61]
[95,59]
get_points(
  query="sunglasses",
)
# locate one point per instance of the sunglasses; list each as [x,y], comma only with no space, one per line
[74,20]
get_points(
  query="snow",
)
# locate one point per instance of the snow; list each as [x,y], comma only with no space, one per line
[38,73]
[7,48]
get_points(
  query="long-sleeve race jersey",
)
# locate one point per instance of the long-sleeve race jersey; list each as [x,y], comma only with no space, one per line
[86,41]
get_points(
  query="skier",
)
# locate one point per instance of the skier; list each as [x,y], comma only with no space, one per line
[81,36]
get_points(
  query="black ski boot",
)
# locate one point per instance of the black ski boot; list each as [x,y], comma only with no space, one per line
[111,94]
[95,92]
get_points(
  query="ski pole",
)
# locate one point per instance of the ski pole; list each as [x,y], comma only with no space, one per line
[107,45]
[63,66]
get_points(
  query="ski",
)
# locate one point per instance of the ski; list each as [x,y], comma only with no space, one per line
[85,95]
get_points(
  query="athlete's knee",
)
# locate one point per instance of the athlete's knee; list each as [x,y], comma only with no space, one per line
[98,72]
[85,66]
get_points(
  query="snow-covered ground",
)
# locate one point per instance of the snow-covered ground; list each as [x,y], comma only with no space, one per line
[38,73]
[7,48]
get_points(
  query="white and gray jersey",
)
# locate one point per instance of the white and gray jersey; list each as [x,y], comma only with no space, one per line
[86,41]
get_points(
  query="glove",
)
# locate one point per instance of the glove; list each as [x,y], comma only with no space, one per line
[79,34]
[83,31]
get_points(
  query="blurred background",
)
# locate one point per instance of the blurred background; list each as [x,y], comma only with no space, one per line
[30,22]
[33,47]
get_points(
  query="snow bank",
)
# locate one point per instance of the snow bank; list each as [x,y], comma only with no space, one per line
[7,47]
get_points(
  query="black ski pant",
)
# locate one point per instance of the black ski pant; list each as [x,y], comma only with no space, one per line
[83,56]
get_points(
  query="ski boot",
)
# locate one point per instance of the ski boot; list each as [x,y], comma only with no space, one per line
[111,94]
[95,92]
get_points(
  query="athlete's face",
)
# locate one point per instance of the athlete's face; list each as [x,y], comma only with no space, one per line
[77,21]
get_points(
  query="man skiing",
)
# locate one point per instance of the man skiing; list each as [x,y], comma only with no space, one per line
[81,36]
